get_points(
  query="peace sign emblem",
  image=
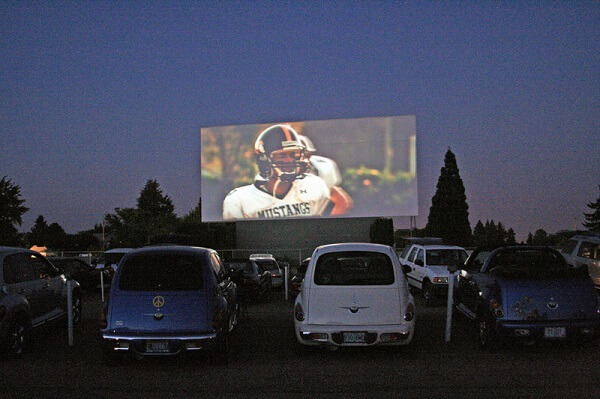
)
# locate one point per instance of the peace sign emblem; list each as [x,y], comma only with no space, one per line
[158,301]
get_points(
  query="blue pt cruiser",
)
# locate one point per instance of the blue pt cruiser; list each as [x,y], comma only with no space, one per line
[528,293]
[167,300]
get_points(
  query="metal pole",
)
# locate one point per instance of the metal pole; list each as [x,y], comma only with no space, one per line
[287,273]
[70,311]
[450,305]
[102,283]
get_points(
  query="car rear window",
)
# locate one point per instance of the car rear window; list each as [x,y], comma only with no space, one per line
[354,268]
[162,272]
[445,257]
[267,264]
[530,264]
[243,266]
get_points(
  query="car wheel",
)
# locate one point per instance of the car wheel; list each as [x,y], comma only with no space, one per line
[486,332]
[233,320]
[427,293]
[16,339]
[77,309]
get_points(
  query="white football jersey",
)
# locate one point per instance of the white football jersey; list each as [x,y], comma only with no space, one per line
[326,169]
[307,197]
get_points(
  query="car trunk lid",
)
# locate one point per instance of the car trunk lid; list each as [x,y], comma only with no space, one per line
[548,299]
[160,312]
[355,305]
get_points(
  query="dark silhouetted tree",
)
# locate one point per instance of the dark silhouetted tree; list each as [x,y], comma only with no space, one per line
[449,215]
[39,232]
[382,231]
[154,216]
[11,212]
[592,219]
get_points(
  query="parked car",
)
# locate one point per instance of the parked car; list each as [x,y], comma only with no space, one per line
[109,260]
[33,293]
[79,270]
[268,262]
[428,260]
[298,277]
[584,251]
[528,293]
[251,279]
[354,294]
[167,300]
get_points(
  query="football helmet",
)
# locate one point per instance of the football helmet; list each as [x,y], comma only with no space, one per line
[280,152]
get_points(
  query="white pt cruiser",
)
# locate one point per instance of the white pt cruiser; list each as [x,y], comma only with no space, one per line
[354,294]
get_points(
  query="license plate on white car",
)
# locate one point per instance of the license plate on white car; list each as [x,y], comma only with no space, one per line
[157,347]
[354,337]
[555,332]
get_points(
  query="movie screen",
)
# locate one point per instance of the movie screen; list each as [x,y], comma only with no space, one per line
[362,167]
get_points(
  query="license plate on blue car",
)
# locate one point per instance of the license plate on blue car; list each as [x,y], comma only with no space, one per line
[157,347]
[555,332]
[354,337]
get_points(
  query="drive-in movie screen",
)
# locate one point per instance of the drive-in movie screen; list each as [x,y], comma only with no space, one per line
[363,167]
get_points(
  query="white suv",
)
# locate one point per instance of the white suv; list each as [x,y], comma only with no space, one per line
[584,250]
[428,260]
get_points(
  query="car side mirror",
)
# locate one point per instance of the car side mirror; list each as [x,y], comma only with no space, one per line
[406,269]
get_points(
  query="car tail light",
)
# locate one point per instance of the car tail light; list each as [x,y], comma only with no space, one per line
[440,280]
[409,315]
[102,320]
[496,308]
[299,312]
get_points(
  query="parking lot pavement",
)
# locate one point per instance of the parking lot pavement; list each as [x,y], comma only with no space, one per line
[263,363]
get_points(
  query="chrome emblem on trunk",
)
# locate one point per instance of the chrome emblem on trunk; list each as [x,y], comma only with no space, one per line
[552,305]
[354,309]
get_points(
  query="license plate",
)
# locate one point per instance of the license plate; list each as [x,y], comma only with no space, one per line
[354,337]
[555,332]
[157,347]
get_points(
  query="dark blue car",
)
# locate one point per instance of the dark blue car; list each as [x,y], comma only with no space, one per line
[528,293]
[167,300]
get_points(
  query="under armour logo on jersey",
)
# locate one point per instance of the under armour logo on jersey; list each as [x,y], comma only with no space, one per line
[303,191]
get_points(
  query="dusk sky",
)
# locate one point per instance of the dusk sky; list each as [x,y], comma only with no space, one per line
[98,97]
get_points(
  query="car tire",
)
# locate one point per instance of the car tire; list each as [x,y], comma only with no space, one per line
[486,332]
[17,338]
[77,310]
[427,293]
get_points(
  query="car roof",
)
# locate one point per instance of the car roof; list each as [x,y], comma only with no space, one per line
[442,247]
[14,250]
[354,246]
[171,249]
[118,250]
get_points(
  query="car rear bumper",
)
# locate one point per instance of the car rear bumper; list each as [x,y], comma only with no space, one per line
[553,330]
[390,334]
[157,345]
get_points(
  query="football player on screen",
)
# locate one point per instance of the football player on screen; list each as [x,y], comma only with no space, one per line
[284,188]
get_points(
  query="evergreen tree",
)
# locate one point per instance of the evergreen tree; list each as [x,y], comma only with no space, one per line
[592,222]
[11,211]
[382,231]
[448,216]
[511,237]
[529,238]
[540,237]
[153,217]
[39,232]
[479,235]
